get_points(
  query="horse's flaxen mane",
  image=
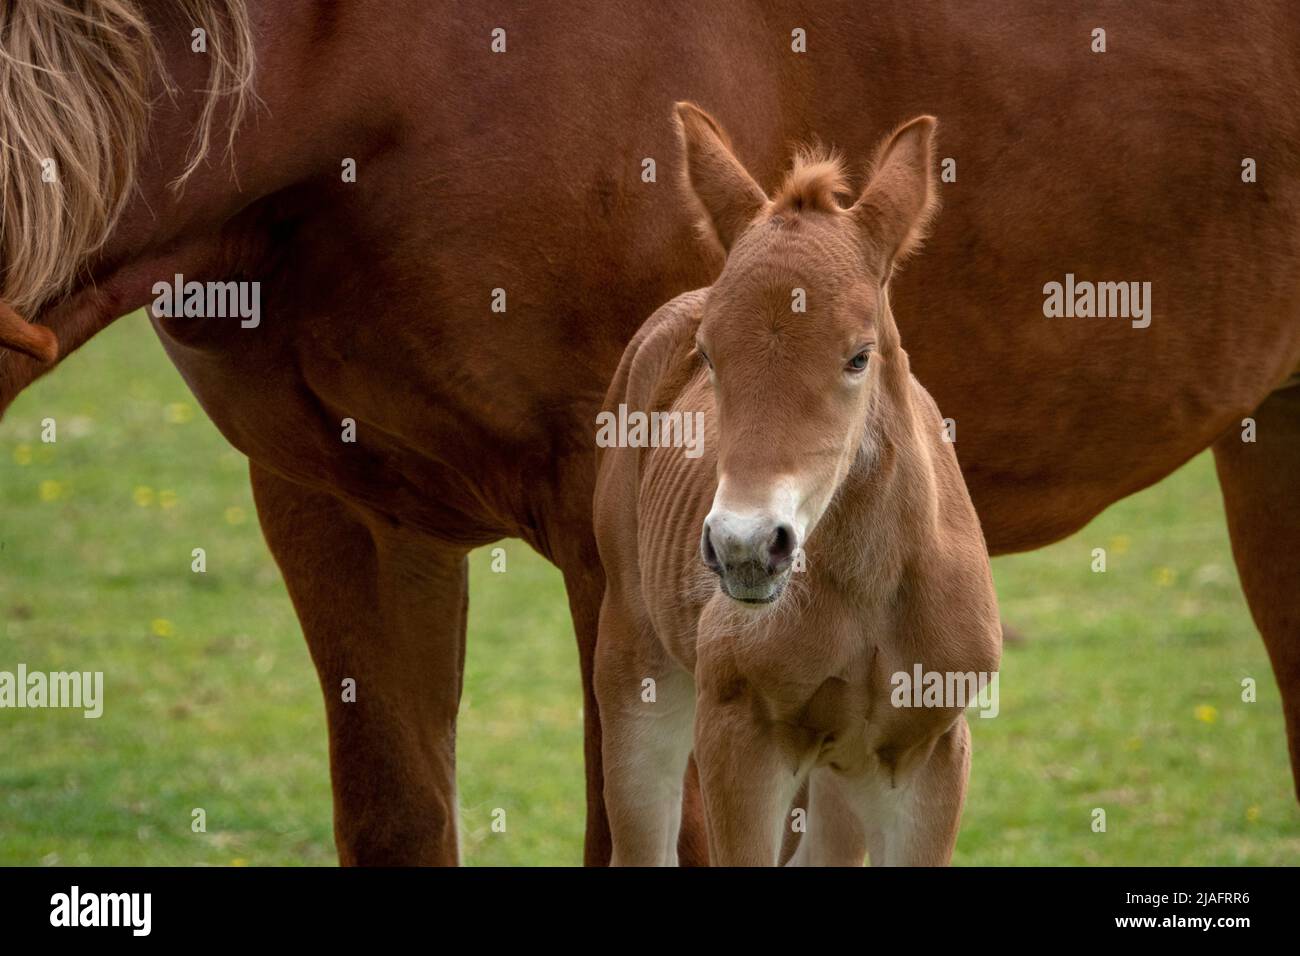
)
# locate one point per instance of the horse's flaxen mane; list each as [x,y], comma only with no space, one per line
[815,178]
[76,83]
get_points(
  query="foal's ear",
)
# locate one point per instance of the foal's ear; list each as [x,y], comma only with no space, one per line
[728,194]
[900,197]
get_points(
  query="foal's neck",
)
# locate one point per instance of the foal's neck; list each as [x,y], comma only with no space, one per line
[885,511]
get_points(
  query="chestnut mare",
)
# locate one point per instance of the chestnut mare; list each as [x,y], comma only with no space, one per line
[827,450]
[524,170]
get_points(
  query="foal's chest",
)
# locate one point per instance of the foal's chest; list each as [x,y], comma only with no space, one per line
[826,679]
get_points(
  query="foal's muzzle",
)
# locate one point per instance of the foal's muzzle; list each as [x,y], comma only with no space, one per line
[751,554]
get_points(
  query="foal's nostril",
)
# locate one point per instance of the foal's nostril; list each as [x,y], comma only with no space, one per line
[707,552]
[780,549]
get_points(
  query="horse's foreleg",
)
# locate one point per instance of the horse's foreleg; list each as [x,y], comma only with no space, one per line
[383,612]
[835,834]
[1261,482]
[917,821]
[746,779]
[647,705]
[584,580]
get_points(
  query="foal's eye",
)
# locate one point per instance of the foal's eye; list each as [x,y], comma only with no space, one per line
[859,361]
[703,355]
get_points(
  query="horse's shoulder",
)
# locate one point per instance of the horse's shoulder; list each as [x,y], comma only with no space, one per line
[659,349]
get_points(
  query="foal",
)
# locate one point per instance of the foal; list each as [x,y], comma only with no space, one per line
[768,601]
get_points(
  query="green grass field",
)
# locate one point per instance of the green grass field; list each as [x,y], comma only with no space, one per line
[1126,694]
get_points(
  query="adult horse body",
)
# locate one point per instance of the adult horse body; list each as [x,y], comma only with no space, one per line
[522,171]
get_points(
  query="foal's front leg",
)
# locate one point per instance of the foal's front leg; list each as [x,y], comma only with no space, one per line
[747,780]
[836,834]
[916,823]
[647,704]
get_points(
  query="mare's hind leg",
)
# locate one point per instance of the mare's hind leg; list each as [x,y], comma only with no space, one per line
[835,834]
[645,738]
[1261,492]
[383,607]
[916,822]
[584,581]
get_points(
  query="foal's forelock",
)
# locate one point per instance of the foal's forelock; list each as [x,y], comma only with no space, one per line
[815,182]
[76,80]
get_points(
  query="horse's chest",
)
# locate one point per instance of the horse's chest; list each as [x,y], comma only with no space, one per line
[833,679]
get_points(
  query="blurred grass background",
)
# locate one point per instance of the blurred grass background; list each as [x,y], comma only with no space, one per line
[1126,694]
